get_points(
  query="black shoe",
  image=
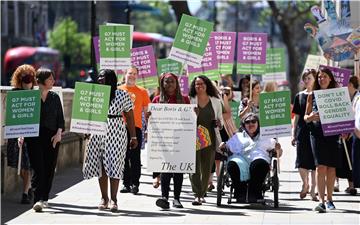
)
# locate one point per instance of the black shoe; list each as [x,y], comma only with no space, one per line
[163,203]
[125,189]
[177,204]
[135,190]
[30,193]
[25,199]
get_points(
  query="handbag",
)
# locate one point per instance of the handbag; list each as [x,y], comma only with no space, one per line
[203,139]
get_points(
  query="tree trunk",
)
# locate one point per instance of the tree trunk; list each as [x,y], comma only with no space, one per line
[180,7]
[293,56]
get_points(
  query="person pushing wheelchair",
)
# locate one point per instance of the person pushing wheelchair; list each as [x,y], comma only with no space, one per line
[249,159]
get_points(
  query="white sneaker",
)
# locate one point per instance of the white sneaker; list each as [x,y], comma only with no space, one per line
[38,206]
[45,204]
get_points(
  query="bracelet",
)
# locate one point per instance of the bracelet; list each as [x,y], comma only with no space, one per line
[133,138]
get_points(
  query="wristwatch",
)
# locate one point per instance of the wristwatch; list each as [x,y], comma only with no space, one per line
[133,138]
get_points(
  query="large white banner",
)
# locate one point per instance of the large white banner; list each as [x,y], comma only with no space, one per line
[171,138]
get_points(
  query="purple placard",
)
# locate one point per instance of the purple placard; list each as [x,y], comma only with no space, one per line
[184,85]
[224,46]
[96,48]
[341,75]
[209,61]
[338,128]
[143,58]
[251,48]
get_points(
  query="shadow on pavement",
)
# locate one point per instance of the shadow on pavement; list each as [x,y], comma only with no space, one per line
[10,203]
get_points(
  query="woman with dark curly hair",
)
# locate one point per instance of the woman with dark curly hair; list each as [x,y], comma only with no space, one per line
[209,120]
[22,79]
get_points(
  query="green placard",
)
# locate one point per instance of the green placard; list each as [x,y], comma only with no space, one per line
[22,114]
[168,65]
[91,102]
[275,108]
[115,45]
[275,60]
[234,112]
[193,34]
[22,107]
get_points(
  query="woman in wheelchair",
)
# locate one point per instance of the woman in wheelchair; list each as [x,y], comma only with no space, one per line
[249,160]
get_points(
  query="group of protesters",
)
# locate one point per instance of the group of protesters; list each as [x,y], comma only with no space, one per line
[117,155]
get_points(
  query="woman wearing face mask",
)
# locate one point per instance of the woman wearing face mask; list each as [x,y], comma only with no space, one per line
[300,138]
[106,153]
[22,79]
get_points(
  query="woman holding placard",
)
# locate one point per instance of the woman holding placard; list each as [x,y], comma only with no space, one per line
[300,137]
[106,153]
[250,104]
[325,150]
[209,120]
[43,150]
[22,79]
[170,93]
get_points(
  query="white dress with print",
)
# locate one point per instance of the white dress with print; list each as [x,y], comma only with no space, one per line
[110,149]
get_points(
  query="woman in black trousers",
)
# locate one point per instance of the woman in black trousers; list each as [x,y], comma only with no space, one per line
[43,150]
[170,93]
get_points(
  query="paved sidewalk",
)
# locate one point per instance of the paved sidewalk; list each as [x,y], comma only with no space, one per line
[78,204]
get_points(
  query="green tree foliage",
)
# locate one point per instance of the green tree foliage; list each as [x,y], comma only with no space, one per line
[66,38]
[163,23]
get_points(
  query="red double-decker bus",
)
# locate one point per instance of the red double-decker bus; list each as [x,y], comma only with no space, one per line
[35,56]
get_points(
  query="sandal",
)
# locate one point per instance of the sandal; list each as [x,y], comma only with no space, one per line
[304,192]
[156,183]
[113,207]
[197,201]
[103,204]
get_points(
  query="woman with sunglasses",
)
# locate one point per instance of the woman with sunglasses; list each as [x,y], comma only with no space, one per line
[209,109]
[249,163]
[170,93]
[327,155]
[300,138]
[22,79]
[106,153]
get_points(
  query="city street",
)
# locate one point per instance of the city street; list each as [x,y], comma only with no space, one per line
[77,204]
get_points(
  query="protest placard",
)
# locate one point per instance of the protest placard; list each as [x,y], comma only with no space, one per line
[115,45]
[90,108]
[171,138]
[251,53]
[275,65]
[184,85]
[225,50]
[144,59]
[22,114]
[190,41]
[314,61]
[335,110]
[275,120]
[169,65]
[209,64]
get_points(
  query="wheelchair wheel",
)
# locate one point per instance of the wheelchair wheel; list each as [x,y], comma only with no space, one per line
[275,183]
[220,183]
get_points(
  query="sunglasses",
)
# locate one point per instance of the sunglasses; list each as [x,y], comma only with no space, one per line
[27,79]
[250,121]
[101,80]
